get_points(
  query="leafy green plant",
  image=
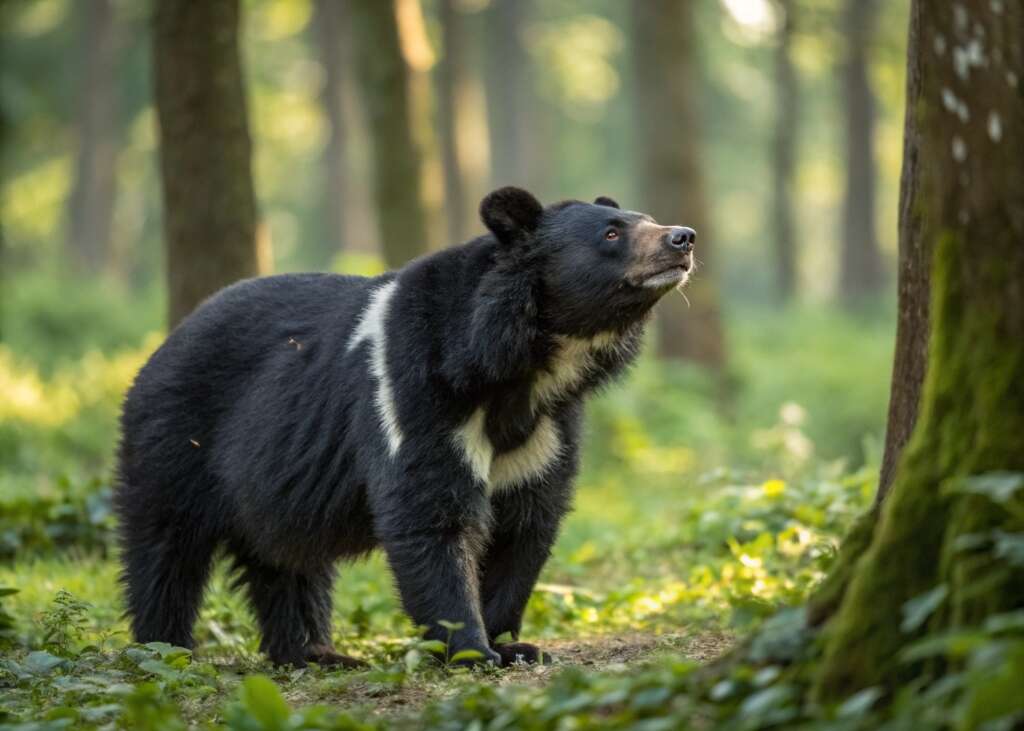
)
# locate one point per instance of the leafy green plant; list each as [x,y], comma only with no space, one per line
[7,631]
[64,623]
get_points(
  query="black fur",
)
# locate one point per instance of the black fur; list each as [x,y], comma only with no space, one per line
[256,428]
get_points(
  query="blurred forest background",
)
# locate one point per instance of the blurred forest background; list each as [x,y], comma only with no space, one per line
[728,464]
[773,127]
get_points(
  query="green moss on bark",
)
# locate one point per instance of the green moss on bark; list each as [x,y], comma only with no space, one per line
[825,600]
[971,421]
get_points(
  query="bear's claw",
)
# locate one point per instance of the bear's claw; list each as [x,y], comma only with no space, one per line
[522,652]
[327,656]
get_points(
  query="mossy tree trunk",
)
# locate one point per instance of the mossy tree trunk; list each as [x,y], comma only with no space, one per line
[671,175]
[970,127]
[205,151]
[384,79]
[784,150]
[860,268]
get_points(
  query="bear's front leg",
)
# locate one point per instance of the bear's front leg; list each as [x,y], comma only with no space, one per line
[526,525]
[433,534]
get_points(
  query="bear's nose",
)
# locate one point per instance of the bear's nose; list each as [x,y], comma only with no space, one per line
[681,238]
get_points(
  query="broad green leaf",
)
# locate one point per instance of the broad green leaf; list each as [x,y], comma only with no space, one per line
[433,646]
[158,667]
[41,662]
[1006,622]
[760,703]
[998,486]
[1009,546]
[860,703]
[917,611]
[412,660]
[466,655]
[953,645]
[263,700]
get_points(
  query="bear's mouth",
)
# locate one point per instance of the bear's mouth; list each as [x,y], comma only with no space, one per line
[673,276]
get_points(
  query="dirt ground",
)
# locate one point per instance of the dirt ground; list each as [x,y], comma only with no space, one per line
[604,652]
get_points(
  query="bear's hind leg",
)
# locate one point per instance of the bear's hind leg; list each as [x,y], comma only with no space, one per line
[293,611]
[165,572]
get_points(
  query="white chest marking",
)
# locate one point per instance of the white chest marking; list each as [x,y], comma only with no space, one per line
[528,461]
[531,460]
[371,328]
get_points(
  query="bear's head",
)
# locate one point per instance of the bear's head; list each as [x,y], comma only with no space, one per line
[596,267]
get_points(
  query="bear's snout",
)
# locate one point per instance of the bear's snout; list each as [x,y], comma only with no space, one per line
[681,239]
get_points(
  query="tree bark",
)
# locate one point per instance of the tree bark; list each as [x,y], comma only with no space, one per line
[860,273]
[915,257]
[670,171]
[508,93]
[970,130]
[329,27]
[784,155]
[91,203]
[449,72]
[205,151]
[384,79]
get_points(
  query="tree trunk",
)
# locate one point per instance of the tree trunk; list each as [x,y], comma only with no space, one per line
[205,151]
[911,356]
[784,156]
[91,203]
[507,93]
[671,177]
[384,79]
[860,272]
[970,130]
[329,27]
[915,257]
[448,82]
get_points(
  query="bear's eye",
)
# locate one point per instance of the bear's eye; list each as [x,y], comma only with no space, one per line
[611,234]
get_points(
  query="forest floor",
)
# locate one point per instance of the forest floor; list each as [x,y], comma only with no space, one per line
[616,653]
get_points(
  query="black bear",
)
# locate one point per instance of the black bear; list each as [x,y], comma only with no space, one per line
[433,412]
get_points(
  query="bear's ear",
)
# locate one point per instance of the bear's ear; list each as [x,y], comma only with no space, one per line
[510,212]
[603,200]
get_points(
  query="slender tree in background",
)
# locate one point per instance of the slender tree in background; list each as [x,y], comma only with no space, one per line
[914,284]
[860,271]
[449,71]
[958,486]
[205,151]
[91,203]
[508,93]
[329,23]
[384,76]
[784,150]
[670,174]
[911,353]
